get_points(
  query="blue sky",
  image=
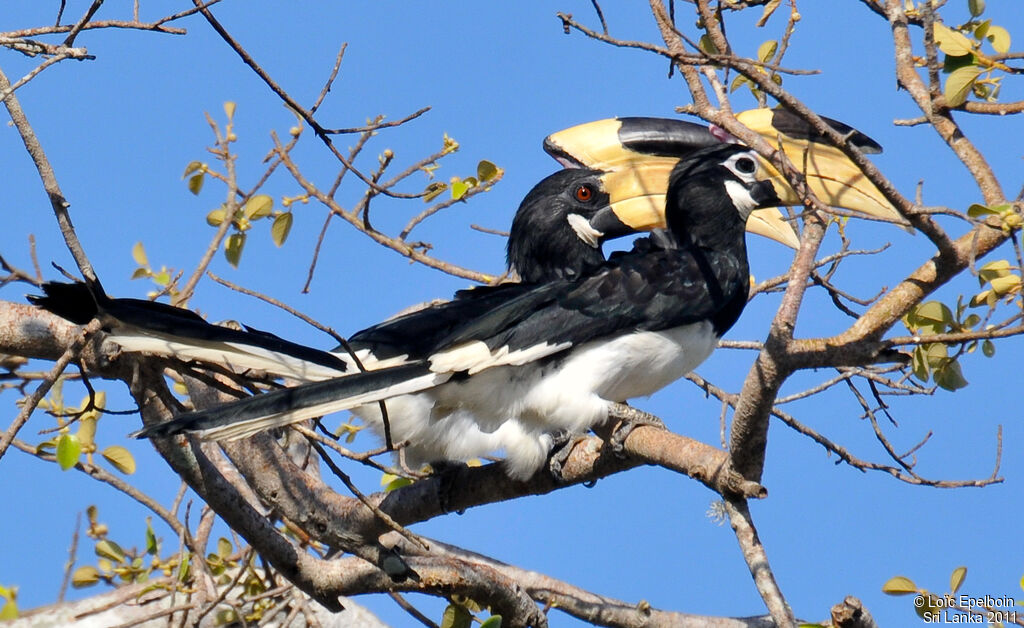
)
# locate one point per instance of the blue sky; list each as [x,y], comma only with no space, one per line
[499,77]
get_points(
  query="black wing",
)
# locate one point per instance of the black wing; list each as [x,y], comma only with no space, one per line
[417,333]
[654,291]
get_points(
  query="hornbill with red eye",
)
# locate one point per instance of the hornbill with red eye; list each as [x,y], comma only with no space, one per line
[622,164]
[557,233]
[555,356]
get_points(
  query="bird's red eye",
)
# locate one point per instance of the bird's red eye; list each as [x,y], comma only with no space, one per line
[584,193]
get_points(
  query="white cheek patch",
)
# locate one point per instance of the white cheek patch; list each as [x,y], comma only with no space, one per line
[584,230]
[741,197]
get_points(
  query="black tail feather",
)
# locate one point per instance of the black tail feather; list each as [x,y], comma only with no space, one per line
[286,401]
[76,303]
[71,301]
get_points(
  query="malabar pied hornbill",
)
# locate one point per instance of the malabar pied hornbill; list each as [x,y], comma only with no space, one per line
[566,217]
[554,357]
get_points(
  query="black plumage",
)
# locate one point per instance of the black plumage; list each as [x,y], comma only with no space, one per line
[554,356]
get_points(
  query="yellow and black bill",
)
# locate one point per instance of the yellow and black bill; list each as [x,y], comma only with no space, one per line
[638,154]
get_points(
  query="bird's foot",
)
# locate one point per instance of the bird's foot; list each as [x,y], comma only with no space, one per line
[446,472]
[562,445]
[622,428]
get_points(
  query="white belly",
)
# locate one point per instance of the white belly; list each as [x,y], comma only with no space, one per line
[515,409]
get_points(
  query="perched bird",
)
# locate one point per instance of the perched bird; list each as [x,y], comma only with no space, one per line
[554,357]
[615,186]
[557,233]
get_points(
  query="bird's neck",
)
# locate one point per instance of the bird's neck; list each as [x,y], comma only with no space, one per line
[560,255]
[710,223]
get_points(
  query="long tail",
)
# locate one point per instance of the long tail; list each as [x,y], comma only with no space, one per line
[248,416]
[163,330]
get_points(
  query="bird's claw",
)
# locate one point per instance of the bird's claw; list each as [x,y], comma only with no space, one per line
[561,448]
[617,438]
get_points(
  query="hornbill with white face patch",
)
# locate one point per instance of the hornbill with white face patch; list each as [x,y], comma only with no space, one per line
[620,167]
[555,356]
[557,233]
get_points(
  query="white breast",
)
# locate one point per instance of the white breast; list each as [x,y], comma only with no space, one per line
[516,408]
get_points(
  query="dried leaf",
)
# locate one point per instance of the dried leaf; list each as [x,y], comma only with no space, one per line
[120,458]
[85,576]
[899,585]
[139,254]
[1000,39]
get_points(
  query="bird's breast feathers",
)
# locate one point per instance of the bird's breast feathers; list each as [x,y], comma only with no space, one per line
[571,391]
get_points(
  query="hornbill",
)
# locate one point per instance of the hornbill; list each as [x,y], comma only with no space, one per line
[552,358]
[557,233]
[620,166]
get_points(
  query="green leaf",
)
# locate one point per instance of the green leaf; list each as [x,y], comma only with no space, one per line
[120,458]
[767,50]
[957,578]
[195,183]
[68,451]
[390,481]
[959,84]
[934,312]
[951,64]
[1000,39]
[929,605]
[485,170]
[494,621]
[397,483]
[988,348]
[952,42]
[920,364]
[899,585]
[141,273]
[216,217]
[85,576]
[233,248]
[993,269]
[192,167]
[139,254]
[224,548]
[459,189]
[257,207]
[152,545]
[950,377]
[185,567]
[706,45]
[976,7]
[737,83]
[282,227]
[434,190]
[110,550]
[976,210]
[456,616]
[936,353]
